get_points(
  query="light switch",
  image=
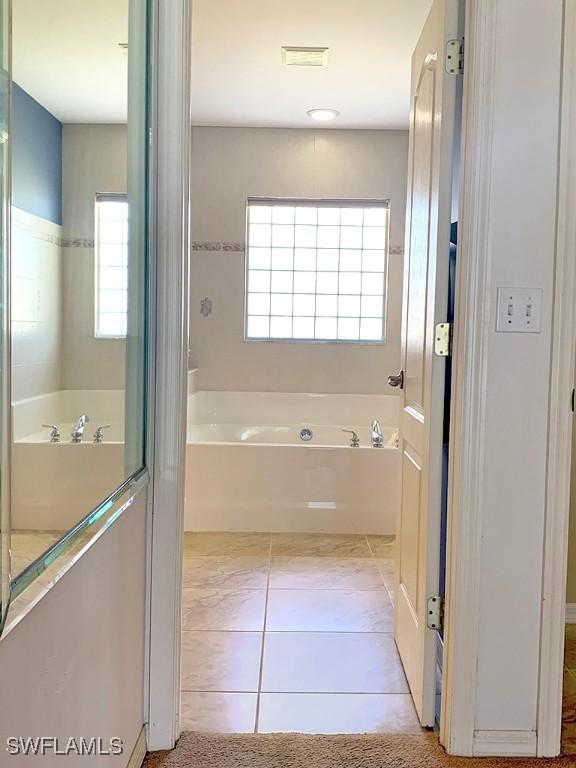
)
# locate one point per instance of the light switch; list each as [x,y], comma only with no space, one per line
[519,310]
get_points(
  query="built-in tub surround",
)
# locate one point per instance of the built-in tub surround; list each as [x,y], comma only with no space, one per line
[55,485]
[249,470]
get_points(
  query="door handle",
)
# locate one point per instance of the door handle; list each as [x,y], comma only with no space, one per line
[397,380]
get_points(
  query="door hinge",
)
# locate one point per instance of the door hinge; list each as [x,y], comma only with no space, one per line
[443,339]
[455,56]
[435,616]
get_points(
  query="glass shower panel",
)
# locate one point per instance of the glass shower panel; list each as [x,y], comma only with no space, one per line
[4,304]
[79,270]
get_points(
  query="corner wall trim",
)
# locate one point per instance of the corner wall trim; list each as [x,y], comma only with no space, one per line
[168,397]
[570,613]
[504,743]
[139,751]
[559,447]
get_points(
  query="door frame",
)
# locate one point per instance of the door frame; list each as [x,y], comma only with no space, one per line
[471,317]
[168,349]
[171,137]
[559,447]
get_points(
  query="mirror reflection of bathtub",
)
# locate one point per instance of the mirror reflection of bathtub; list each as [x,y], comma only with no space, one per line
[249,470]
[68,478]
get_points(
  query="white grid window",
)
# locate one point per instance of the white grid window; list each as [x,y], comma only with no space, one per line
[111,260]
[316,270]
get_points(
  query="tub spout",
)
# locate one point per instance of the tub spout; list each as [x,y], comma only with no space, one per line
[377,438]
[78,430]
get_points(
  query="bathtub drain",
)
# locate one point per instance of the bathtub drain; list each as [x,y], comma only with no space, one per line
[306,434]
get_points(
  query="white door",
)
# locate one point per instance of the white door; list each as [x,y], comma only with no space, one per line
[421,380]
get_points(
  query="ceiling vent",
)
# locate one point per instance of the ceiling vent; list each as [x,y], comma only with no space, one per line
[294,56]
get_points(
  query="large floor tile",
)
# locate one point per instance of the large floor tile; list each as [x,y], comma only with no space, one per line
[227,544]
[328,610]
[319,545]
[324,573]
[221,661]
[228,572]
[223,609]
[337,713]
[218,712]
[308,662]
[382,546]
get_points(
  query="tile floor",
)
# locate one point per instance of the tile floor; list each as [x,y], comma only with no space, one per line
[286,632]
[569,703]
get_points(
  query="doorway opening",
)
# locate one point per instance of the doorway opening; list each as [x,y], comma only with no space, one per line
[316,398]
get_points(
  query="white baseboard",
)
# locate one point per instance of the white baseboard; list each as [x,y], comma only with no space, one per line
[570,613]
[139,751]
[504,744]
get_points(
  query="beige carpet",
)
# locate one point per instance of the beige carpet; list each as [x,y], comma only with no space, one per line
[291,750]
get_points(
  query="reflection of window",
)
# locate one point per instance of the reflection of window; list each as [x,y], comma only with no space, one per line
[316,270]
[111,258]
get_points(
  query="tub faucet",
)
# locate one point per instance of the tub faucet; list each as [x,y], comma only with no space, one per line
[54,432]
[377,439]
[78,430]
[99,434]
[354,441]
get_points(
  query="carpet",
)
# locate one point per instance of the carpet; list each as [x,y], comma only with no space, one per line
[293,750]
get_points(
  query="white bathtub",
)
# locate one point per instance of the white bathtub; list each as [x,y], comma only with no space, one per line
[55,484]
[249,470]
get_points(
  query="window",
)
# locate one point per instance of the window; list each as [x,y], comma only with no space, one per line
[111,260]
[316,270]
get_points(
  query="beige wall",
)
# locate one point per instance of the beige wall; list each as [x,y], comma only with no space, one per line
[94,160]
[228,166]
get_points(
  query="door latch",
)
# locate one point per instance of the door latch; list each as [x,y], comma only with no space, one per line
[435,613]
[397,380]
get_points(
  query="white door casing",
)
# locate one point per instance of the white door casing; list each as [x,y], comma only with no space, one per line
[426,268]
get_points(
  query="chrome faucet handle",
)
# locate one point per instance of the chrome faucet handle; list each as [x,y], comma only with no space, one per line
[354,441]
[99,434]
[54,434]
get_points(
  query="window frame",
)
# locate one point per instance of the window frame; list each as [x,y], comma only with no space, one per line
[318,203]
[105,197]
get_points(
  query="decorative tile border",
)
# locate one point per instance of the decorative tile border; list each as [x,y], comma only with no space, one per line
[77,242]
[49,237]
[35,233]
[202,245]
[197,245]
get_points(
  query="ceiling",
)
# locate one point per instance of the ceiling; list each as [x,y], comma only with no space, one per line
[66,55]
[238,77]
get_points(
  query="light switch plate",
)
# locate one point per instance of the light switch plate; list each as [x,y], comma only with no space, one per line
[519,310]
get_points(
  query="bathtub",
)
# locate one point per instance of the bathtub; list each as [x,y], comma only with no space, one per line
[249,470]
[55,484]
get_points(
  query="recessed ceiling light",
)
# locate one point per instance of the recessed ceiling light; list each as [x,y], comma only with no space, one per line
[323,115]
[298,56]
